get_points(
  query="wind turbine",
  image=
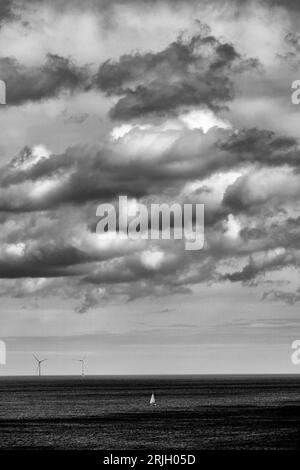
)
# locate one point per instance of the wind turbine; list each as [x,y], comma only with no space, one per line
[39,362]
[82,365]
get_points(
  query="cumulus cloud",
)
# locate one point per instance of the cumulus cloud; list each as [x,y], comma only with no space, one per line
[148,161]
[39,83]
[7,12]
[189,72]
[261,187]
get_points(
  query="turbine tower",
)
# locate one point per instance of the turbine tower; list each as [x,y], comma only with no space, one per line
[39,362]
[82,365]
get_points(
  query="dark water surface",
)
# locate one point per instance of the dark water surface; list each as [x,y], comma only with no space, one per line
[113,412]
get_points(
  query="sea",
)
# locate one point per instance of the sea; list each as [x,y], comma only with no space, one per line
[192,412]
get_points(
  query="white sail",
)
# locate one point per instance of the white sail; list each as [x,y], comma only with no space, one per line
[152,399]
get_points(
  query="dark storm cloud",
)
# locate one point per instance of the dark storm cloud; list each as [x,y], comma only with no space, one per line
[54,257]
[51,259]
[264,262]
[7,12]
[187,73]
[38,83]
[287,4]
[263,146]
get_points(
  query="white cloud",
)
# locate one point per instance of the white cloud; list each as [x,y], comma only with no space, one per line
[203,119]
[152,259]
[233,227]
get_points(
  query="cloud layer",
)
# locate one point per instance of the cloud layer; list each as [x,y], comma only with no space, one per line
[190,119]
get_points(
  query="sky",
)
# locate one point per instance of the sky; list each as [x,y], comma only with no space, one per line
[167,102]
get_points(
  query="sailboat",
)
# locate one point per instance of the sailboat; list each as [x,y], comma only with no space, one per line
[152,400]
